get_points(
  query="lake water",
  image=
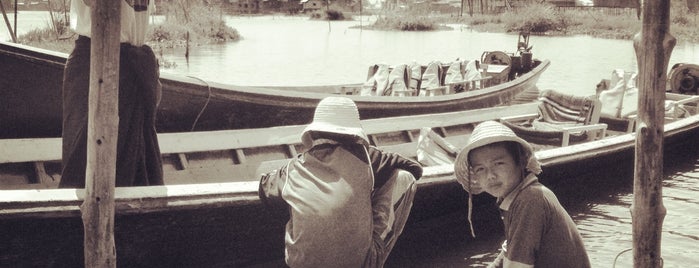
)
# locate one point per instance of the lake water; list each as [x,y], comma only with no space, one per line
[297,51]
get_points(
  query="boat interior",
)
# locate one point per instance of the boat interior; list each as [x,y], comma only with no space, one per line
[242,155]
[438,78]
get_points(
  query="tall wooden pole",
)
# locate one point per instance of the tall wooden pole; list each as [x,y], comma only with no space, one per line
[360,16]
[7,21]
[653,48]
[16,15]
[102,128]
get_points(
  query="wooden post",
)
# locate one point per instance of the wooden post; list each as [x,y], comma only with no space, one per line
[653,47]
[102,128]
[16,15]
[360,16]
[7,21]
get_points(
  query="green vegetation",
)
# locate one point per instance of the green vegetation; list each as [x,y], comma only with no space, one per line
[407,20]
[193,22]
[332,13]
[49,38]
[547,19]
[185,23]
[535,17]
[190,24]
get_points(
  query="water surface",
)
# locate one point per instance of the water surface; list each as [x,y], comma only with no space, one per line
[296,51]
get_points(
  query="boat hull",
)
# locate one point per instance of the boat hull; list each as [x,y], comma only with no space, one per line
[225,224]
[224,232]
[31,79]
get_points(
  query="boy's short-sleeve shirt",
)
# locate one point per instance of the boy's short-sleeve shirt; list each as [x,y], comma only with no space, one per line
[538,230]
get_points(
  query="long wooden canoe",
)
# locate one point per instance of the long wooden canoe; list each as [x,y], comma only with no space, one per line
[209,213]
[31,101]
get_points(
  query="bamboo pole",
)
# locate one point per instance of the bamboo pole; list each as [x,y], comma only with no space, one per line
[102,128]
[360,16]
[653,47]
[16,15]
[7,21]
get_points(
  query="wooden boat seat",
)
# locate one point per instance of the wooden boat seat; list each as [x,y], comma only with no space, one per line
[454,75]
[496,73]
[431,79]
[434,150]
[415,78]
[238,155]
[561,119]
[377,80]
[620,102]
[398,81]
[464,76]
[619,97]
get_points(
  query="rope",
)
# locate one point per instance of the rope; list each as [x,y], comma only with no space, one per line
[208,98]
[662,261]
[617,255]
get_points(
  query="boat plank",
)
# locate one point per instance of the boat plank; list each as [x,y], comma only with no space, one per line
[129,200]
[30,150]
[49,149]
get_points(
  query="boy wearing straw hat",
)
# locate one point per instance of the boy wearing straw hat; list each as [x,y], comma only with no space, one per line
[538,230]
[348,201]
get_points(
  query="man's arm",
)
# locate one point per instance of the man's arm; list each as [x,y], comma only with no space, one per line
[271,185]
[384,163]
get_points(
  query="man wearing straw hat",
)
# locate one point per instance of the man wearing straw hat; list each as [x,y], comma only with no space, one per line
[538,230]
[348,201]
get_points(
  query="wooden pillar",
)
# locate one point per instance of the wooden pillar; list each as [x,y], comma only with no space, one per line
[653,47]
[7,21]
[102,128]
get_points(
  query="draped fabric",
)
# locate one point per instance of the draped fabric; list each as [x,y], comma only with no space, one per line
[138,153]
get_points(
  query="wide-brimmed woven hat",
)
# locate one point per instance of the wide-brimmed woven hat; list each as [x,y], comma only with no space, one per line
[486,133]
[337,115]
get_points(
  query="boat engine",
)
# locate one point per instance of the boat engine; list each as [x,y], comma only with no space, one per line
[684,79]
[520,62]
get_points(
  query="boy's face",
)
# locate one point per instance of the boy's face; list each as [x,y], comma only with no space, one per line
[495,169]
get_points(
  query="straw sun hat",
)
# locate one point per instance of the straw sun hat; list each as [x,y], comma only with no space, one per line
[337,115]
[486,133]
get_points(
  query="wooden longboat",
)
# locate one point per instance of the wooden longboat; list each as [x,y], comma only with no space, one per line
[209,213]
[31,101]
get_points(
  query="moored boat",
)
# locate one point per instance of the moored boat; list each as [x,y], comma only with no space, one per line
[31,78]
[209,213]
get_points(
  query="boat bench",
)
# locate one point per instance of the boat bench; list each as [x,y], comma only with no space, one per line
[237,155]
[560,117]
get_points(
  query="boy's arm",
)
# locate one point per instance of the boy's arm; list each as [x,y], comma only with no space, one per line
[500,259]
[498,262]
